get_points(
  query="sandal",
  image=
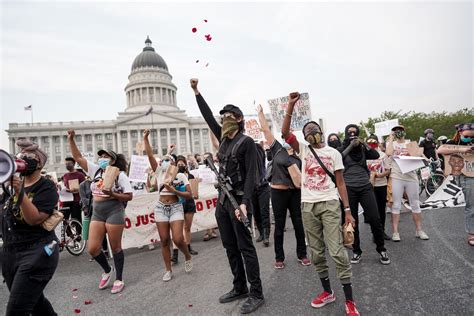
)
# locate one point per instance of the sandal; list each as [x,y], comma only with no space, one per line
[470,240]
[206,237]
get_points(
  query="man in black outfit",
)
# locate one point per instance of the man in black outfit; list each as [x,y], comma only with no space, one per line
[428,144]
[261,200]
[237,162]
[359,189]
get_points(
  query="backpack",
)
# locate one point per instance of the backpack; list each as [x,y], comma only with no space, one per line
[269,172]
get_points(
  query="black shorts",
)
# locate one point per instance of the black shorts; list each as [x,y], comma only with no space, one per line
[189,206]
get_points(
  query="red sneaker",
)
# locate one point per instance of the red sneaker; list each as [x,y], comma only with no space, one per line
[304,261]
[279,265]
[351,309]
[323,299]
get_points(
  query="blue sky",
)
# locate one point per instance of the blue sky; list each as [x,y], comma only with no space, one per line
[71,60]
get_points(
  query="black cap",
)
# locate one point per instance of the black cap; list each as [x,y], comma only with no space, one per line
[111,153]
[231,108]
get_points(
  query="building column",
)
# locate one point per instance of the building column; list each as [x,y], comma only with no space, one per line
[114,142]
[83,143]
[103,141]
[168,137]
[178,141]
[51,151]
[201,141]
[12,146]
[94,147]
[61,143]
[129,143]
[119,143]
[188,141]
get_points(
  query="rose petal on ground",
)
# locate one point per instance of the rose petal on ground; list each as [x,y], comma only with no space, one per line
[77,311]
[207,64]
[190,305]
[89,302]
[194,30]
[74,290]
[74,296]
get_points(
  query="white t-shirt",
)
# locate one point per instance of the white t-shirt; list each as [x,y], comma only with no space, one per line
[181,179]
[316,185]
[401,150]
[123,183]
[379,166]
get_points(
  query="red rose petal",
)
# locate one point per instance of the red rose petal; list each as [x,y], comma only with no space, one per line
[209,39]
[190,305]
[194,30]
[77,311]
[74,290]
[88,302]
[205,21]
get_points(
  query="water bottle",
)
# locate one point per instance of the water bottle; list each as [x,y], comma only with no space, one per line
[49,248]
[85,227]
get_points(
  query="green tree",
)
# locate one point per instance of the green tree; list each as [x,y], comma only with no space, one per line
[416,122]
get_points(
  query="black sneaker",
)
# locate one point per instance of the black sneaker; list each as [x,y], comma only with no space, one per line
[384,259]
[233,295]
[192,251]
[251,305]
[356,258]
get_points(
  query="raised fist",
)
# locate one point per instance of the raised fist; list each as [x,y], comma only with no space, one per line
[171,148]
[194,83]
[146,133]
[259,108]
[294,97]
[70,134]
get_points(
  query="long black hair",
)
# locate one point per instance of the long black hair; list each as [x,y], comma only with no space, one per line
[121,163]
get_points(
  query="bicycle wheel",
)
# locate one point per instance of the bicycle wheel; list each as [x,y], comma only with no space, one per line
[75,245]
[433,183]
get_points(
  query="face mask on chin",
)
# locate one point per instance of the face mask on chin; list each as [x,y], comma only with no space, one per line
[465,139]
[32,166]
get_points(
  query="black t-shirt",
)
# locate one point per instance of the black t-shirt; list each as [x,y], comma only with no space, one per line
[45,197]
[429,148]
[280,163]
[356,173]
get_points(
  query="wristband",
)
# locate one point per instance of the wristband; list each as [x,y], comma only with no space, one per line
[347,209]
[290,139]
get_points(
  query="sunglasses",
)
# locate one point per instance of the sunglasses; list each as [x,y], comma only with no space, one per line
[26,155]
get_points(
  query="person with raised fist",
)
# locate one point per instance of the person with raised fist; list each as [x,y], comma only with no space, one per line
[322,183]
[238,165]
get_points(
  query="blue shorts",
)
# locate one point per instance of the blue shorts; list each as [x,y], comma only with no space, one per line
[169,212]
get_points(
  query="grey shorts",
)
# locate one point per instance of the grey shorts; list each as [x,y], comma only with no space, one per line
[169,212]
[110,212]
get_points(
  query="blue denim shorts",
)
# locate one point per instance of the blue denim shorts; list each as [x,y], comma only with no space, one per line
[169,212]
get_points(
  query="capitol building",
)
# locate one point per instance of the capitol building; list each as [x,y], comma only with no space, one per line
[150,87]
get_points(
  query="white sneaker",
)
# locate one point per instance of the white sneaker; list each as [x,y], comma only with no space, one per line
[105,280]
[168,275]
[151,247]
[422,235]
[396,237]
[188,266]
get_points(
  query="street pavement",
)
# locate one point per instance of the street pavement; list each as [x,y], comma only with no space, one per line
[434,277]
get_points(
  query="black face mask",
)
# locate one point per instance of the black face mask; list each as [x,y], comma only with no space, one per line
[182,169]
[335,143]
[32,166]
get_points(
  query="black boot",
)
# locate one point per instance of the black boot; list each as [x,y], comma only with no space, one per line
[192,251]
[266,237]
[174,258]
[251,305]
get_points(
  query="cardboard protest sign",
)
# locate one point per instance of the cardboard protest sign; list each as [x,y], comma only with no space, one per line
[110,175]
[138,168]
[301,114]
[407,163]
[461,163]
[252,128]
[385,128]
[414,150]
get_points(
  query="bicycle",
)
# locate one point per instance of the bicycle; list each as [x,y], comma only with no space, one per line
[433,177]
[71,235]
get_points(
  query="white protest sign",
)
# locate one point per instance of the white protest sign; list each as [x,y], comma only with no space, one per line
[138,168]
[252,128]
[408,163]
[301,114]
[385,128]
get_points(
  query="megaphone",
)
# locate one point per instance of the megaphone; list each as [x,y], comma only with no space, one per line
[9,166]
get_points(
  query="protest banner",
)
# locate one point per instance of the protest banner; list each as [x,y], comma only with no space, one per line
[449,194]
[252,128]
[385,128]
[138,168]
[140,228]
[301,114]
[467,169]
